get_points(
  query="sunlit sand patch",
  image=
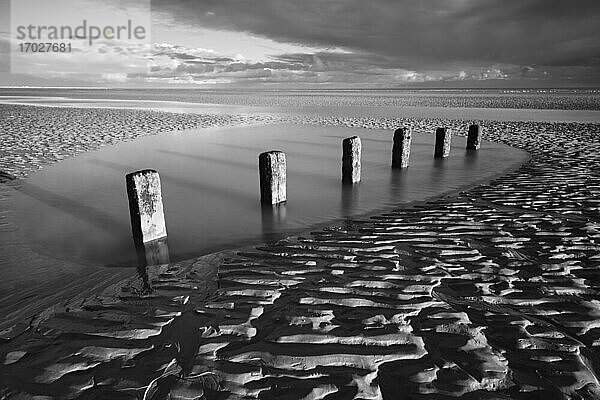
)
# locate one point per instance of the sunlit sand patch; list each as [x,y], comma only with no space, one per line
[321,321]
[382,340]
[56,371]
[365,362]
[268,282]
[105,354]
[14,356]
[132,334]
[245,329]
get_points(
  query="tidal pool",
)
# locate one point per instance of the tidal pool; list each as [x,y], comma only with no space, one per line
[77,209]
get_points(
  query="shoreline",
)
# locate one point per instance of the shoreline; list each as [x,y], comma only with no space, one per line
[479,236]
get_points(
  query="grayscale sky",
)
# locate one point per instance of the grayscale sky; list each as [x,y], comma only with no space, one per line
[329,43]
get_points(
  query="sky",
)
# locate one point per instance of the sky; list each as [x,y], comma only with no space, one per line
[314,43]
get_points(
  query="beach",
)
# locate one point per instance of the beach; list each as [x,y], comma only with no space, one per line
[486,291]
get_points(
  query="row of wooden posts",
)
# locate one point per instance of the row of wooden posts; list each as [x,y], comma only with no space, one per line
[145,197]
[272,164]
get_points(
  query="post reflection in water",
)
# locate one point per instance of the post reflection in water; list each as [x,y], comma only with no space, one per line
[438,171]
[398,182]
[274,220]
[350,198]
[471,156]
[155,252]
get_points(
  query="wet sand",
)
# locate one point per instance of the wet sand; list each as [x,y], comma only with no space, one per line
[487,293]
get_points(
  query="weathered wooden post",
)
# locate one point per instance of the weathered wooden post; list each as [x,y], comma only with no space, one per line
[351,153]
[272,171]
[443,137]
[401,148]
[474,138]
[145,205]
[147,217]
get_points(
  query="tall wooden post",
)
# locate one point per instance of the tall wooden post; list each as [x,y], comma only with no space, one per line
[401,148]
[474,138]
[443,137]
[351,153]
[145,205]
[272,171]
[147,219]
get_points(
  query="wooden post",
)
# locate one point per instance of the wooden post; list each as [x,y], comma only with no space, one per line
[474,138]
[351,152]
[145,206]
[443,137]
[272,171]
[401,148]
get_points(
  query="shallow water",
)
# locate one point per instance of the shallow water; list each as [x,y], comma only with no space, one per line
[77,209]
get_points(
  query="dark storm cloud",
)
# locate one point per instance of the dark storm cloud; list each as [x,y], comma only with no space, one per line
[417,35]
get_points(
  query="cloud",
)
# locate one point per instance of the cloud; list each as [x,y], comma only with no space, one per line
[164,63]
[172,63]
[417,35]
[385,43]
[176,63]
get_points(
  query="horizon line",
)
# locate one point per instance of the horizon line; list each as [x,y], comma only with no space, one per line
[301,89]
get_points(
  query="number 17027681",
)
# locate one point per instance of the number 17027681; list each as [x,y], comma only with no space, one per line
[42,47]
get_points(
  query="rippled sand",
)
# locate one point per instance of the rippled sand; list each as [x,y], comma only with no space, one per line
[488,293]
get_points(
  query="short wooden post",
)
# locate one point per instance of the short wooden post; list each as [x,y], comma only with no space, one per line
[351,153]
[272,171]
[474,138]
[145,206]
[443,137]
[401,148]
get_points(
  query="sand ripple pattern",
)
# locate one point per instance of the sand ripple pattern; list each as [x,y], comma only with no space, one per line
[489,294]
